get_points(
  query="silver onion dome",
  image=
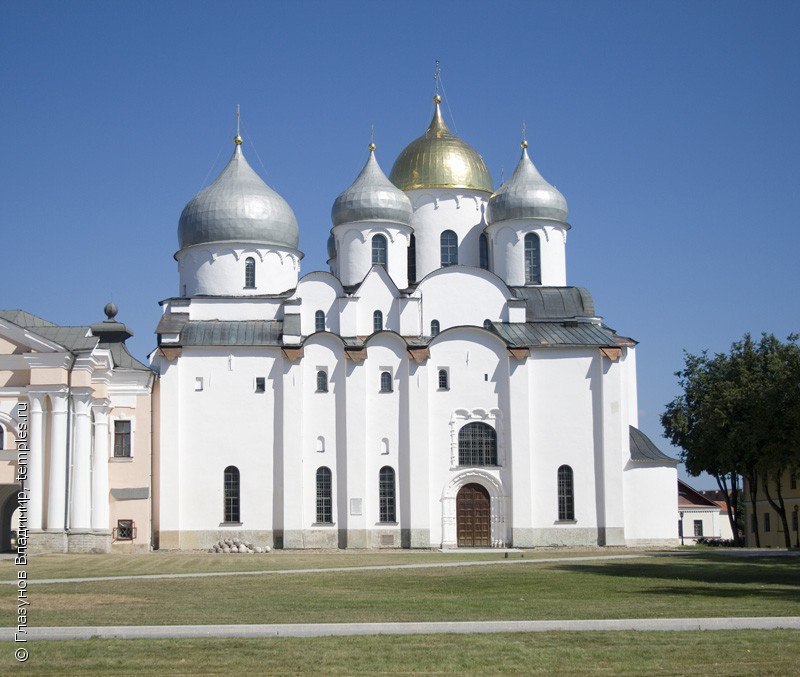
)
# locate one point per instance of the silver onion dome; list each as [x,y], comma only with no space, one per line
[238,206]
[372,197]
[526,195]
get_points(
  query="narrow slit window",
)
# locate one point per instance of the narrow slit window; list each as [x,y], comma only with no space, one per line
[412,259]
[379,250]
[250,273]
[483,251]
[386,382]
[444,381]
[322,381]
[324,496]
[231,494]
[435,327]
[566,497]
[377,321]
[449,248]
[319,321]
[386,493]
[533,259]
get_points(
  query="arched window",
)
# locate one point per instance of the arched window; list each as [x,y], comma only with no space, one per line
[320,445]
[483,251]
[444,381]
[324,496]
[412,259]
[449,248]
[487,323]
[322,381]
[533,260]
[231,494]
[2,437]
[566,496]
[250,273]
[319,321]
[386,382]
[386,492]
[377,321]
[477,444]
[435,327]
[379,250]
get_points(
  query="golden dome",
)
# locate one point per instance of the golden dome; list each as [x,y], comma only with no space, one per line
[439,159]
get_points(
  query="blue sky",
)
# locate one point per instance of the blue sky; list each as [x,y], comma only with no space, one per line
[671,128]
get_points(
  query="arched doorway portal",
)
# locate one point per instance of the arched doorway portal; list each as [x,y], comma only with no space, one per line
[9,502]
[473,522]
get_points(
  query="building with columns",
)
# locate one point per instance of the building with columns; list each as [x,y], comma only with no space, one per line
[81,404]
[441,385]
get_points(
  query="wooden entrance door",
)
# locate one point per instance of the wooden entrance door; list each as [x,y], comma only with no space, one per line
[472,517]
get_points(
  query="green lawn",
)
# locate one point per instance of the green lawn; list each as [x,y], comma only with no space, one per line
[775,652]
[83,566]
[704,584]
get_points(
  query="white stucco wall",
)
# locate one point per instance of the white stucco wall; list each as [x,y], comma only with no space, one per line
[437,210]
[507,250]
[218,269]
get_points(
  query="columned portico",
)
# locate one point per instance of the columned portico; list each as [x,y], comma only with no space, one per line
[81,504]
[35,482]
[100,467]
[57,485]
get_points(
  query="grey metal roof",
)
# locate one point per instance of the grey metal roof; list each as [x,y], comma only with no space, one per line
[542,334]
[227,333]
[24,319]
[545,303]
[122,358]
[238,206]
[372,197]
[527,195]
[644,451]
[72,338]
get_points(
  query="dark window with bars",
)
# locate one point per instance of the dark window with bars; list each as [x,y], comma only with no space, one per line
[322,382]
[324,496]
[319,321]
[377,321]
[2,437]
[443,380]
[231,495]
[122,439]
[533,259]
[435,328]
[483,251]
[386,382]
[566,494]
[698,528]
[379,250]
[449,248]
[125,530]
[477,444]
[250,272]
[386,493]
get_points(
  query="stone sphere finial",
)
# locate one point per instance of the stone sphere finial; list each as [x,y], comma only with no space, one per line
[111,311]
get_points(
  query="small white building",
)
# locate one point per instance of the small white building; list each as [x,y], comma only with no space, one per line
[441,386]
[701,516]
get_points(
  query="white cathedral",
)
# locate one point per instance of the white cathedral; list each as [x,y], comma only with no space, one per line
[441,386]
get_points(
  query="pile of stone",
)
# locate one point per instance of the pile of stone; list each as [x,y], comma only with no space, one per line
[234,545]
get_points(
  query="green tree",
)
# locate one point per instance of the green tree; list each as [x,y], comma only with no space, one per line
[739,414]
[698,421]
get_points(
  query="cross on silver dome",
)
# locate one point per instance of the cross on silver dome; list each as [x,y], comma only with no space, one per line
[372,197]
[238,207]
